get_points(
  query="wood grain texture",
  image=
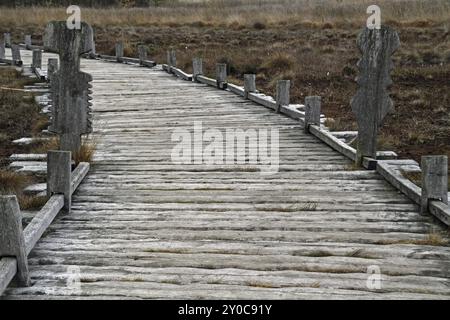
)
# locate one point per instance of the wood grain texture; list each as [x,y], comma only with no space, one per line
[142,227]
[371,103]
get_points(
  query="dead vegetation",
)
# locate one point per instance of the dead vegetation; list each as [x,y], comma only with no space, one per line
[86,152]
[20,116]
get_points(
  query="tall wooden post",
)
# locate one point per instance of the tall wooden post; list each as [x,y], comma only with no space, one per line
[282,96]
[7,39]
[221,75]
[371,103]
[312,111]
[2,50]
[28,41]
[119,51]
[37,59]
[59,173]
[70,89]
[12,242]
[197,68]
[142,54]
[434,180]
[249,84]
[15,52]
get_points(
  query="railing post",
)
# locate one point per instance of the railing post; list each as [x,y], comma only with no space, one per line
[15,52]
[119,51]
[249,84]
[70,88]
[12,242]
[7,39]
[37,59]
[52,68]
[221,75]
[59,172]
[2,50]
[142,54]
[434,180]
[282,97]
[371,103]
[312,111]
[197,68]
[171,60]
[28,41]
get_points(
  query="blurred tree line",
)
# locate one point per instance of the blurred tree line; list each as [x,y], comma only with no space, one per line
[86,3]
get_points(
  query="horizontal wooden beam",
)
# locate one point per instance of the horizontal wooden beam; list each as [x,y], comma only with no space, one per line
[78,174]
[208,81]
[41,221]
[181,74]
[236,89]
[333,142]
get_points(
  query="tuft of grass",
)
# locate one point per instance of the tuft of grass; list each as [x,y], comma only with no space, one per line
[32,202]
[45,145]
[86,152]
[279,62]
[13,182]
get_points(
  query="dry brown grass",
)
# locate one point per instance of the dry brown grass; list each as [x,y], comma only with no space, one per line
[86,152]
[257,14]
[45,145]
[13,183]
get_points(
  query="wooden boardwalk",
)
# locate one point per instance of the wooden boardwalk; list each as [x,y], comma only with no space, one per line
[143,227]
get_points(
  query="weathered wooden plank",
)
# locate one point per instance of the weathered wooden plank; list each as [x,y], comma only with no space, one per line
[78,175]
[12,242]
[41,221]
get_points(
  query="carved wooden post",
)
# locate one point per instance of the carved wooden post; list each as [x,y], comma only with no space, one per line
[52,67]
[249,84]
[59,173]
[434,180]
[119,51]
[221,75]
[28,41]
[197,68]
[282,97]
[15,52]
[12,242]
[71,88]
[2,50]
[37,59]
[7,39]
[372,103]
[142,54]
[312,111]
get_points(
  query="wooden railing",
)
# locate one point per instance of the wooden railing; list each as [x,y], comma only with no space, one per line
[432,198]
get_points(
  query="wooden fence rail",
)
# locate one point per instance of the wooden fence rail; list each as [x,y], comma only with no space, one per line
[15,243]
[376,46]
